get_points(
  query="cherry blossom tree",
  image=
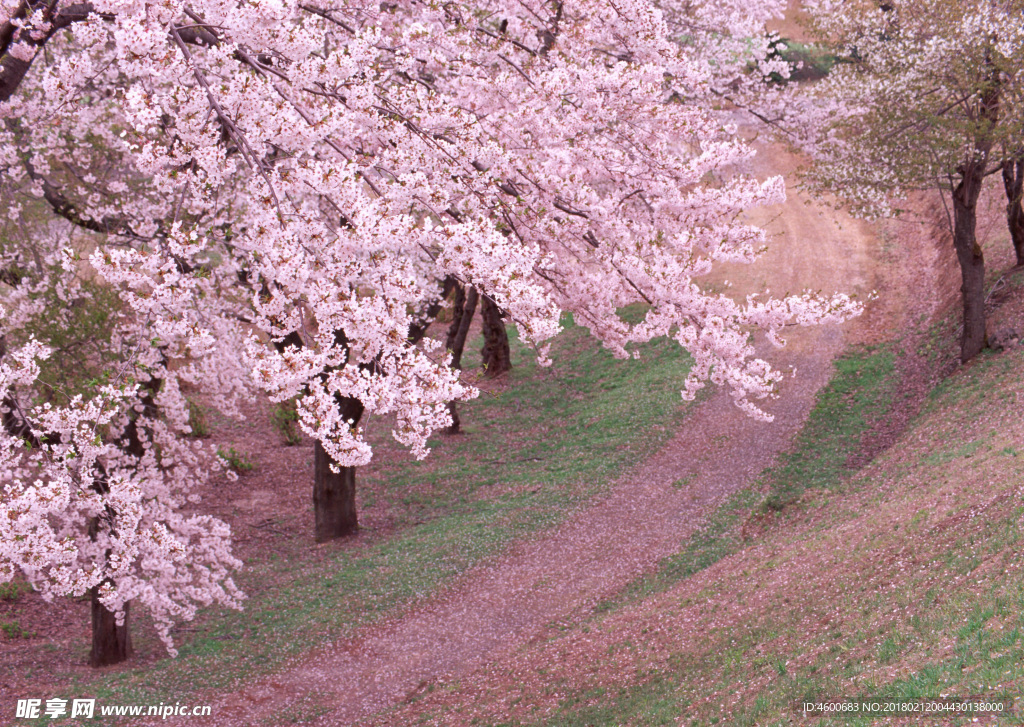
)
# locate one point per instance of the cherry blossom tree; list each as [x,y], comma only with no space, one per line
[314,171]
[929,98]
[97,473]
[93,499]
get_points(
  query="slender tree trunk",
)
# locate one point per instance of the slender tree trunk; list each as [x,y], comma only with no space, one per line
[1013,183]
[497,359]
[462,317]
[972,261]
[111,644]
[334,493]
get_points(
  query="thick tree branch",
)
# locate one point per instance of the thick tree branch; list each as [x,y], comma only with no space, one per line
[13,70]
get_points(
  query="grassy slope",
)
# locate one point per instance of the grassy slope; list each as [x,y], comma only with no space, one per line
[535,450]
[901,580]
[858,393]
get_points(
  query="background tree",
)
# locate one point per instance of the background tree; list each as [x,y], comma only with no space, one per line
[463,308]
[495,356]
[928,98]
[1013,184]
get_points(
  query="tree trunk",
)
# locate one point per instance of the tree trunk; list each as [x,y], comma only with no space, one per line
[1013,183]
[418,328]
[334,493]
[334,497]
[965,218]
[462,317]
[111,644]
[971,259]
[497,359]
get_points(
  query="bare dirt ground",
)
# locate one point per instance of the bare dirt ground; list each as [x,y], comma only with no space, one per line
[790,26]
[510,600]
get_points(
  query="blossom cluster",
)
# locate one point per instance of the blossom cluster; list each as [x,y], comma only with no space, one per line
[922,89]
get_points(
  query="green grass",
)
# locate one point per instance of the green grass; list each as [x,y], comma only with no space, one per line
[544,445]
[946,627]
[237,461]
[199,427]
[856,396]
[285,417]
[859,394]
[810,62]
[13,590]
[985,656]
[965,450]
[14,630]
[653,701]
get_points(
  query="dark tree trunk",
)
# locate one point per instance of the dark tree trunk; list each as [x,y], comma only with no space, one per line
[334,493]
[111,644]
[965,218]
[13,69]
[334,497]
[971,259]
[462,317]
[418,328]
[456,426]
[497,359]
[1013,183]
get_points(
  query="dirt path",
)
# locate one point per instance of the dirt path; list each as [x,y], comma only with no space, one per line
[500,605]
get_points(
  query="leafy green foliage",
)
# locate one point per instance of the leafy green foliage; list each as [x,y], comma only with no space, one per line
[237,461]
[285,419]
[77,331]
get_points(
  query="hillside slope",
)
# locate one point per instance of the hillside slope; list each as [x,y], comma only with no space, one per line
[898,580]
